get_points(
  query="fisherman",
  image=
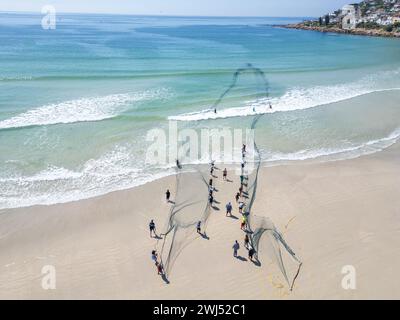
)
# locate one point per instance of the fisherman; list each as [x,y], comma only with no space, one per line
[270,106]
[211,199]
[241,206]
[237,197]
[154,256]
[225,174]
[243,223]
[178,165]
[210,190]
[152,227]
[240,190]
[229,209]
[167,195]
[160,269]
[251,254]
[199,227]
[235,248]
[210,182]
[241,179]
[246,241]
[211,170]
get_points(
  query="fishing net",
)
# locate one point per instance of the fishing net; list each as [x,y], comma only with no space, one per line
[192,203]
[269,242]
[265,238]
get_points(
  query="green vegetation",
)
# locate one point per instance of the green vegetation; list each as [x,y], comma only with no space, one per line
[369,25]
[371,12]
[379,4]
[388,28]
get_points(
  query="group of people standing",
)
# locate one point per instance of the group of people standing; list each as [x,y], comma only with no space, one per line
[154,255]
[240,200]
[239,197]
[153,233]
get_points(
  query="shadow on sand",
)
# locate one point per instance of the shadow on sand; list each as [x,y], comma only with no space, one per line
[164,277]
[204,236]
[256,262]
[241,258]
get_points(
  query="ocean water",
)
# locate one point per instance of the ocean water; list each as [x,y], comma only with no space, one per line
[76,103]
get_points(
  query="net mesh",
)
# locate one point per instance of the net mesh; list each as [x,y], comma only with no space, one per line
[192,205]
[265,238]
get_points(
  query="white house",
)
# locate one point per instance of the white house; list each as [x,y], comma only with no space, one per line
[384,21]
[350,16]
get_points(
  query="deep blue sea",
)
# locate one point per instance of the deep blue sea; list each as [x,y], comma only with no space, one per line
[77,102]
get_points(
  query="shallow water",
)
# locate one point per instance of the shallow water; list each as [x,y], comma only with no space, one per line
[77,102]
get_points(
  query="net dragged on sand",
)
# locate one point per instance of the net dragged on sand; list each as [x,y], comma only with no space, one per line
[192,205]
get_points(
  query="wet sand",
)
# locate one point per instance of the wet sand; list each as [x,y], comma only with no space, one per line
[331,214]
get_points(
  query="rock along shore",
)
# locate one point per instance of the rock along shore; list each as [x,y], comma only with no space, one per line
[357,31]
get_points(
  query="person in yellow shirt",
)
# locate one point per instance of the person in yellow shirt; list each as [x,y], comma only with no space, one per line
[243,223]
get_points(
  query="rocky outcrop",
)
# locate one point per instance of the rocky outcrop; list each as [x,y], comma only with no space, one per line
[357,31]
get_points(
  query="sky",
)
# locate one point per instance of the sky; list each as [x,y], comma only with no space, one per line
[265,8]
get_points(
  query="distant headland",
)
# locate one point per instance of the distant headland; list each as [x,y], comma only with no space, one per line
[370,17]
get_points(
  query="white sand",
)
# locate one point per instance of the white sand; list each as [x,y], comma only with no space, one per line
[331,214]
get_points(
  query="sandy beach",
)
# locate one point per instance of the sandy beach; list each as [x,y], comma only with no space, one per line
[331,214]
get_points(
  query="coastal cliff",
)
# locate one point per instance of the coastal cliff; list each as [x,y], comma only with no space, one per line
[378,18]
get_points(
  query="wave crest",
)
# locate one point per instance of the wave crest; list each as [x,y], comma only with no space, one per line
[79,110]
[299,98]
[118,170]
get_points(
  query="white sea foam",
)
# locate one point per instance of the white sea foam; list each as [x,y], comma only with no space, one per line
[16,78]
[297,99]
[348,152]
[115,170]
[50,174]
[119,170]
[79,110]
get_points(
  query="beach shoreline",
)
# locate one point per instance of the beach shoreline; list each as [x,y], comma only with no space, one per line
[332,214]
[357,31]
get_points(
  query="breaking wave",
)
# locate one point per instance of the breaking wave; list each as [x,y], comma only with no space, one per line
[114,170]
[79,110]
[299,98]
[348,152]
[119,170]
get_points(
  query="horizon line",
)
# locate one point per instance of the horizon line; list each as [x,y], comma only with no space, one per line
[152,15]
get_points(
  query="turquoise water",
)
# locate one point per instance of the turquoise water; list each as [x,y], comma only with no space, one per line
[77,102]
